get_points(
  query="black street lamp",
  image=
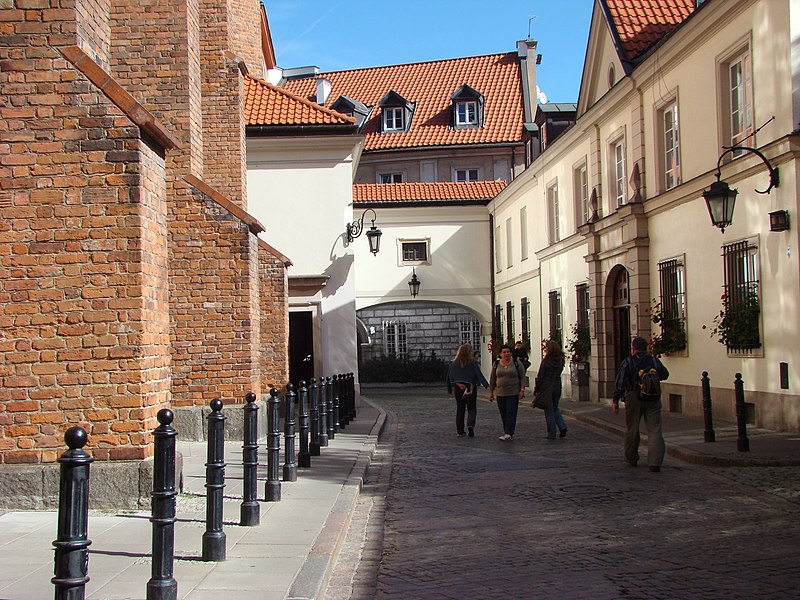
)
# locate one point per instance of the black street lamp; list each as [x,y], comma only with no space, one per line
[720,197]
[356,228]
[413,283]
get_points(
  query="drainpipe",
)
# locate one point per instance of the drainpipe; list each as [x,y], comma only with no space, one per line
[491,272]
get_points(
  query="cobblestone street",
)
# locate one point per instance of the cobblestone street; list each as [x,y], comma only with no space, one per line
[482,518]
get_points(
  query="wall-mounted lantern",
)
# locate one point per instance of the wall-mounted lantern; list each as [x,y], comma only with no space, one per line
[356,228]
[413,283]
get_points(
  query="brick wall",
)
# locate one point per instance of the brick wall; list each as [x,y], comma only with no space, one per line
[274,284]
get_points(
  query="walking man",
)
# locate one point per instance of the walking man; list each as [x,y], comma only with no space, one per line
[637,385]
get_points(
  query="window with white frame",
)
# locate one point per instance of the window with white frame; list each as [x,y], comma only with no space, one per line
[672,288]
[510,321]
[741,300]
[465,175]
[390,178]
[556,323]
[471,334]
[498,252]
[618,175]
[509,244]
[467,113]
[670,146]
[737,76]
[553,227]
[415,251]
[525,316]
[497,326]
[581,190]
[394,339]
[393,119]
[523,232]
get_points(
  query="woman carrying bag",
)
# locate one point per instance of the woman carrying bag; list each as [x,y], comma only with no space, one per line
[547,390]
[463,378]
[508,384]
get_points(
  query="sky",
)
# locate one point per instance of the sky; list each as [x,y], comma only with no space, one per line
[358,33]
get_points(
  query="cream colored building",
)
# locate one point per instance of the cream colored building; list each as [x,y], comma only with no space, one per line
[613,210]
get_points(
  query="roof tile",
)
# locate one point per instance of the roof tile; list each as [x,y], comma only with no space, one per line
[441,191]
[266,104]
[642,23]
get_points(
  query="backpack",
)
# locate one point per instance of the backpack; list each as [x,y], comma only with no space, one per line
[648,382]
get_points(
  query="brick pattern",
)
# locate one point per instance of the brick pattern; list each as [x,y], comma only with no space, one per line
[274,296]
[94,29]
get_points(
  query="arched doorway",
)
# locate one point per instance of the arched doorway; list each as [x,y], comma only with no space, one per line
[621,308]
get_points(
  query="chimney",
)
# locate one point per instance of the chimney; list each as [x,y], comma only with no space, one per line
[528,59]
[323,90]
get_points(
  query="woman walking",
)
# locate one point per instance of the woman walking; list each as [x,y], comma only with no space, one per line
[550,375]
[463,378]
[507,383]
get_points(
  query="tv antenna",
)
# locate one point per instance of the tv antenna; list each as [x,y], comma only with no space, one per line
[530,20]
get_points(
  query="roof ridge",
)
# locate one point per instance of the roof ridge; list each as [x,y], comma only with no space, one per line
[305,101]
[420,62]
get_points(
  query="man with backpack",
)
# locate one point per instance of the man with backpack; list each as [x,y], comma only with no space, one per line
[638,384]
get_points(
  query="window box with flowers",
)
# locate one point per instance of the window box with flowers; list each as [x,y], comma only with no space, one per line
[737,324]
[579,347]
[671,338]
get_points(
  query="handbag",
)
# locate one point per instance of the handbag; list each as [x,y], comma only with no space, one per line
[544,398]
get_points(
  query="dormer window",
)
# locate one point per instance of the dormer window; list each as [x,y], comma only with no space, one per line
[396,113]
[351,108]
[466,110]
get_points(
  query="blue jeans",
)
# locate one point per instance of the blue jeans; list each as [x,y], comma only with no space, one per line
[508,407]
[553,415]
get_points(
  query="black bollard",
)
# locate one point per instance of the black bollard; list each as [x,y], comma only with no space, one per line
[272,488]
[708,433]
[742,443]
[162,584]
[250,513]
[343,402]
[352,384]
[304,456]
[313,446]
[289,462]
[329,399]
[323,413]
[349,396]
[72,546]
[214,537]
[337,403]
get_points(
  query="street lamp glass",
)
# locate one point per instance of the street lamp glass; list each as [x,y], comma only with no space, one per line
[374,239]
[720,200]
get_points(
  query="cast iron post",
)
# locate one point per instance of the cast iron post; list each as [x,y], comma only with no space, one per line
[353,395]
[304,456]
[162,584]
[72,546]
[313,446]
[337,402]
[742,443]
[250,510]
[329,399]
[214,537]
[708,433]
[323,412]
[272,488]
[289,464]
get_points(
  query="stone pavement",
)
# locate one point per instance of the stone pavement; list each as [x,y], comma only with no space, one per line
[420,513]
[566,518]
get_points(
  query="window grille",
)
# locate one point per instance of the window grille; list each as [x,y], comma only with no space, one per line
[510,321]
[525,305]
[554,302]
[741,302]
[394,340]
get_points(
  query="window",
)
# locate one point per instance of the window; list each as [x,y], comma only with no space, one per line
[414,251]
[467,113]
[497,250]
[497,326]
[393,119]
[741,303]
[582,302]
[581,189]
[553,230]
[509,244]
[465,175]
[670,147]
[510,321]
[523,232]
[672,284]
[471,334]
[394,339]
[390,178]
[618,177]
[525,315]
[738,77]
[554,302]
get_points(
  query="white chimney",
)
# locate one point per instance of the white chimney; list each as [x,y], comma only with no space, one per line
[323,90]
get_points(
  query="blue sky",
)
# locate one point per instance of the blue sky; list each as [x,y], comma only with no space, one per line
[360,33]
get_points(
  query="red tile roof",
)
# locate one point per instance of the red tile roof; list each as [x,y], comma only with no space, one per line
[430,85]
[266,104]
[443,191]
[642,23]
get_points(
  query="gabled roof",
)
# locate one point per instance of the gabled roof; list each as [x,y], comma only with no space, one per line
[450,192]
[637,25]
[430,85]
[266,104]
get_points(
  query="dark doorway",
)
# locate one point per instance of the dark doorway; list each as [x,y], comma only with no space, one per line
[301,346]
[622,319]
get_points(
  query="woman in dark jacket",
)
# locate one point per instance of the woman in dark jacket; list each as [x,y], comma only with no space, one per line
[463,377]
[550,371]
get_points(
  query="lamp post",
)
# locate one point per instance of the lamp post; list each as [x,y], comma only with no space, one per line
[356,228]
[413,283]
[720,197]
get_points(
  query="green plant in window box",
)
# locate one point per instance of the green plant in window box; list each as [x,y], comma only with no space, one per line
[579,343]
[672,335]
[736,325]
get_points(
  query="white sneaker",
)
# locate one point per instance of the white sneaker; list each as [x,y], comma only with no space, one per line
[505,437]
